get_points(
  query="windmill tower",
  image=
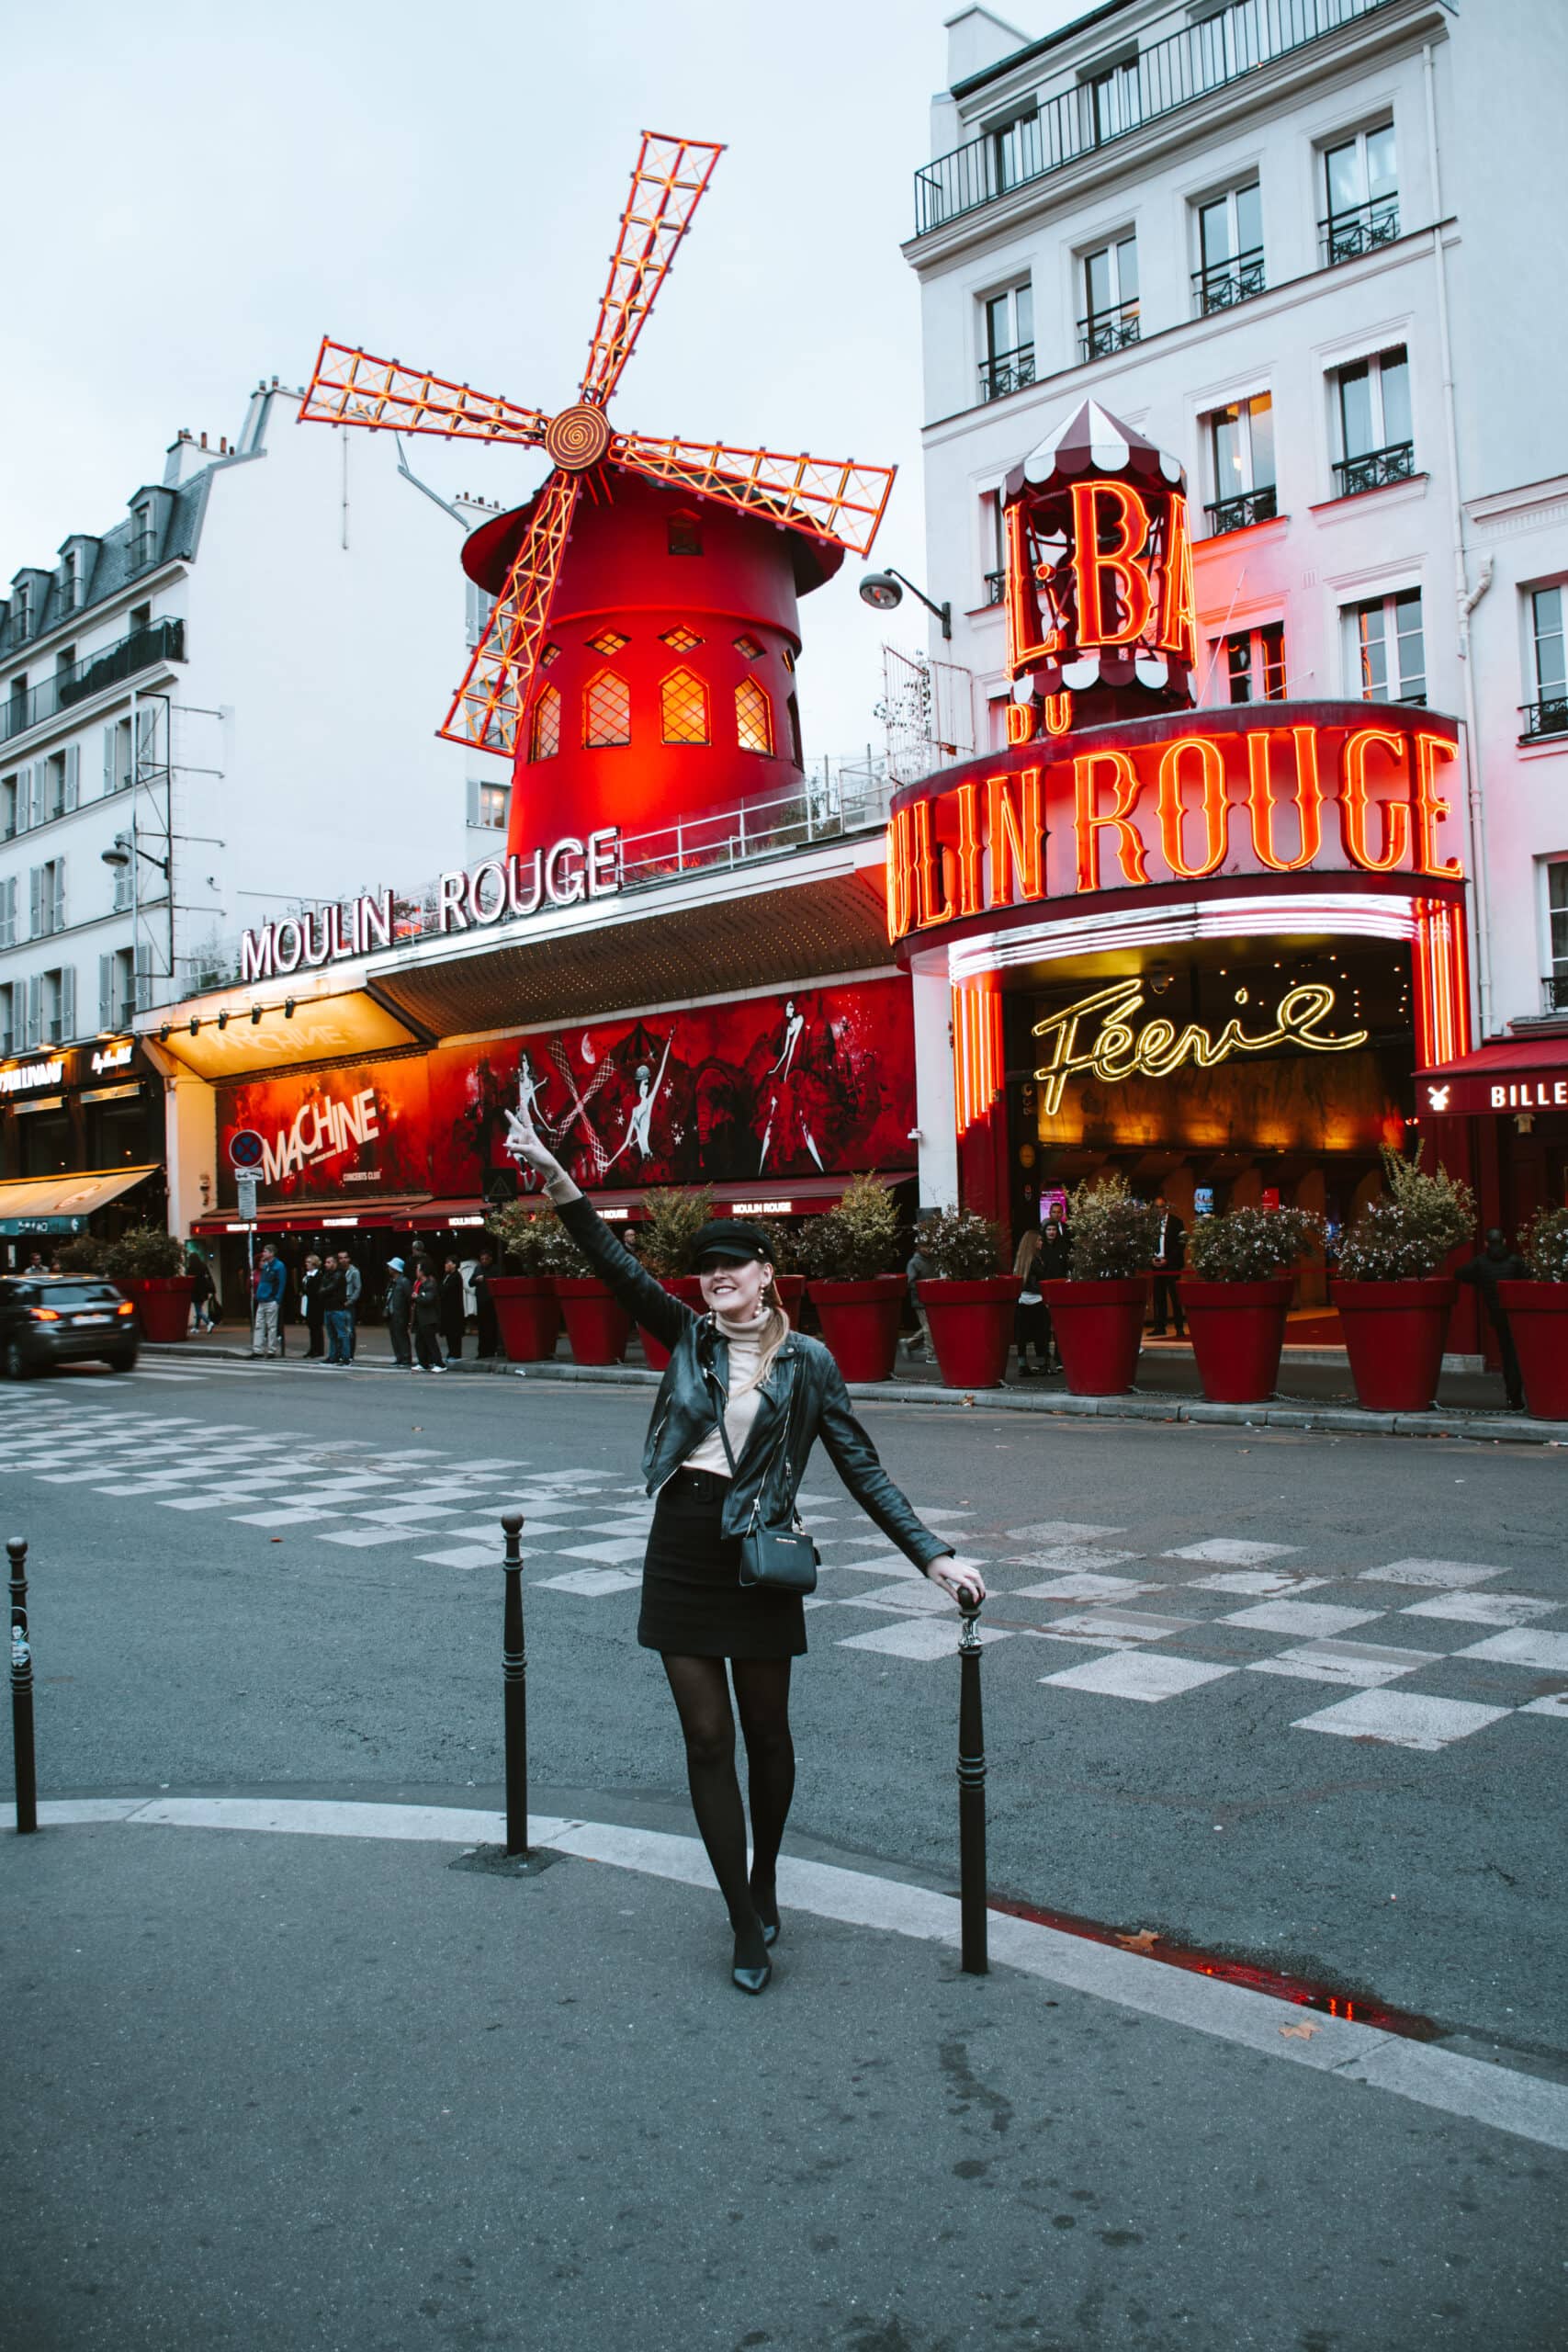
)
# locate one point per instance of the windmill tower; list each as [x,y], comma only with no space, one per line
[640,661]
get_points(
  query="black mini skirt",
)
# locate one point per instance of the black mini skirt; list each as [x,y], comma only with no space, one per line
[693,1603]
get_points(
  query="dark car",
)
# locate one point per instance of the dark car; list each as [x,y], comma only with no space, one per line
[61,1318]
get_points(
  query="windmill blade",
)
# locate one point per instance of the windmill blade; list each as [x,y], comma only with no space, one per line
[821,496]
[351,388]
[490,709]
[668,183]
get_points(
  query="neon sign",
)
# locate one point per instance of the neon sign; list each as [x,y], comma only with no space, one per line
[322,1130]
[25,1076]
[1116,1050]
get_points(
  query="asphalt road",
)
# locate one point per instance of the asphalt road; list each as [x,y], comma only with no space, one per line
[195,1649]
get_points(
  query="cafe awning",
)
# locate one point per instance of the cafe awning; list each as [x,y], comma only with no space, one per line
[1510,1074]
[62,1203]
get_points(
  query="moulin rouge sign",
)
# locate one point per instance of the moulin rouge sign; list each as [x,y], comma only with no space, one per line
[503,889]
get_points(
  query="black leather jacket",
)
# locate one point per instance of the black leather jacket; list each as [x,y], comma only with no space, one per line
[802,1399]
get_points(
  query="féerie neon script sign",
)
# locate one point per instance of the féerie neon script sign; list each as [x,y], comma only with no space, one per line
[1116,1050]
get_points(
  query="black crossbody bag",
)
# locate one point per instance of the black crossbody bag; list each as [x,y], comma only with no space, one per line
[784,1559]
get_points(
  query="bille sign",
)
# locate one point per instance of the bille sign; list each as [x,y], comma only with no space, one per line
[503,889]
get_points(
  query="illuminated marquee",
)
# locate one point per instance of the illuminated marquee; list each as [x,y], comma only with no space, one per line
[1115,1050]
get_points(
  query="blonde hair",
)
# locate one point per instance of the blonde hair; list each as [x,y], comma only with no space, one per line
[775,1330]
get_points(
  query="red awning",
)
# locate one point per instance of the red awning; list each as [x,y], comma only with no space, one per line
[1510,1074]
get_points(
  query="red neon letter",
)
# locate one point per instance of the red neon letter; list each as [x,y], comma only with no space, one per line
[1020,722]
[1058,713]
[929,871]
[900,876]
[1431,808]
[968,798]
[1309,800]
[1217,816]
[1024,649]
[1091,822]
[1128,517]
[1017,838]
[1356,804]
[1178,619]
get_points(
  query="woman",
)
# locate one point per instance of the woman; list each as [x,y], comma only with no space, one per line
[778,1393]
[312,1302]
[1031,1316]
[1052,1266]
[454,1310]
[426,1317]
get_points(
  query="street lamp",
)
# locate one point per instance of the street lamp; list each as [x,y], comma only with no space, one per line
[123,849]
[885,591]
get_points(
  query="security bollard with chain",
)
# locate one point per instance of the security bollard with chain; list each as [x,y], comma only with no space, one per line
[973,1958]
[22,1689]
[514,1859]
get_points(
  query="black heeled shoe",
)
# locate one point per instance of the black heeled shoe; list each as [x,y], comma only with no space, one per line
[750,1979]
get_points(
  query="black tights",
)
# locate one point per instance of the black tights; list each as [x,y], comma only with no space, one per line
[762,1693]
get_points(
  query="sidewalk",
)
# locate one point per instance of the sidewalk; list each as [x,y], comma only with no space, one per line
[1316,1392]
[287,2091]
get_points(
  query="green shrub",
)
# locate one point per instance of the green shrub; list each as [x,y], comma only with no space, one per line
[855,1240]
[1251,1245]
[1111,1233]
[532,1238]
[673,1220]
[143,1252]
[83,1254]
[1544,1246]
[1405,1235]
[962,1246]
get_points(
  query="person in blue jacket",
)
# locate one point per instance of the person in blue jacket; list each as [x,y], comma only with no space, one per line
[270,1278]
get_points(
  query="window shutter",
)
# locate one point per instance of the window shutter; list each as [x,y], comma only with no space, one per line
[74,776]
[143,975]
[59,922]
[35,1009]
[29,784]
[109,761]
[67,1004]
[35,902]
[146,744]
[473,800]
[9,912]
[106,992]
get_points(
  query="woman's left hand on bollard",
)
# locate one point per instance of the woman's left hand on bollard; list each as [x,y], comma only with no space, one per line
[964,1584]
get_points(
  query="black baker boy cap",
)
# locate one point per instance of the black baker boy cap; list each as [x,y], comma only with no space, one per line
[729,1236]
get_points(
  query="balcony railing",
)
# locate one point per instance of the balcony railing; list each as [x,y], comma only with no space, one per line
[1190,64]
[1006,371]
[1554,992]
[996,586]
[1347,234]
[1546,716]
[1235,514]
[164,641]
[1104,332]
[1226,283]
[1374,468]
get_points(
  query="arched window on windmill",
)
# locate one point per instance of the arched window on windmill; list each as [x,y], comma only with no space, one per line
[545,740]
[606,712]
[685,534]
[795,731]
[753,717]
[683,706]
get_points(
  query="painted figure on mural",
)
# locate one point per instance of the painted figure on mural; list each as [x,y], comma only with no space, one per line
[806,1094]
[639,1119]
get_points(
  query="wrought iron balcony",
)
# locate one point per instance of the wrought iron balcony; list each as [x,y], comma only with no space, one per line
[1226,283]
[1346,234]
[1373,469]
[996,586]
[1104,332]
[164,641]
[1235,514]
[1546,716]
[1204,57]
[1006,371]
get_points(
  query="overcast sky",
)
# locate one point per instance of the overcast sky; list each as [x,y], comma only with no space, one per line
[196,195]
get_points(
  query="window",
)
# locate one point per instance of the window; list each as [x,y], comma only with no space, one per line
[684,535]
[54,785]
[683,708]
[551,653]
[13,1019]
[141,541]
[478,607]
[750,648]
[993,547]
[608,641]
[1361,194]
[116,756]
[22,611]
[794,716]
[139,618]
[1110,298]
[1015,150]
[9,912]
[607,712]
[680,639]
[1241,460]
[1557,925]
[116,989]
[1113,105]
[1250,664]
[544,741]
[58,993]
[1230,248]
[489,805]
[1547,714]
[1009,323]
[1384,650]
[754,717]
[1372,416]
[9,823]
[45,900]
[74,580]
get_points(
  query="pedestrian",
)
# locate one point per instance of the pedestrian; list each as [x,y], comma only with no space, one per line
[1052,1266]
[35,1264]
[484,1307]
[1031,1321]
[453,1311]
[1170,1256]
[353,1291]
[741,1404]
[920,1269]
[269,1281]
[333,1294]
[203,1292]
[310,1300]
[426,1317]
[1498,1263]
[400,1300]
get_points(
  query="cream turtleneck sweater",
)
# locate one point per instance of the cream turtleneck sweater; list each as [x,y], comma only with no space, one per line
[745,1363]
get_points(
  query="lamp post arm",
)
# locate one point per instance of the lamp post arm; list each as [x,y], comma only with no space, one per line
[942,612]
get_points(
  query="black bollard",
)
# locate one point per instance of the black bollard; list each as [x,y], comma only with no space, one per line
[514,1682]
[22,1689]
[971,1799]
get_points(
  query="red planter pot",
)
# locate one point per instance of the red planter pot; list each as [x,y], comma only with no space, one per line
[791,1289]
[1099,1330]
[1395,1334]
[971,1327]
[162,1303]
[597,1325]
[1537,1316]
[685,1287]
[860,1323]
[529,1315]
[1238,1330]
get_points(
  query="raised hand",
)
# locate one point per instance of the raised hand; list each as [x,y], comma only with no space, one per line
[964,1584]
[522,1137]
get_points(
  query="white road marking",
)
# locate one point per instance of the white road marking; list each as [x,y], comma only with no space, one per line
[1404,1719]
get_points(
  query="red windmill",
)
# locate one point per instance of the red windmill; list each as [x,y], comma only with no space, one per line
[634,499]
